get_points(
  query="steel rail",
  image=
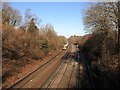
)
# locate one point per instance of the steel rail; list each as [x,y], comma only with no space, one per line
[78,71]
[64,71]
[71,73]
[56,72]
[30,74]
[89,73]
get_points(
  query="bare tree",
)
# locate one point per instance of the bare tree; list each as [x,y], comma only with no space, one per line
[15,18]
[28,18]
[5,13]
[9,15]
[102,19]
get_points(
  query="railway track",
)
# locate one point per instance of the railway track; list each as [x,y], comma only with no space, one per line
[88,71]
[28,80]
[64,82]
[64,76]
[78,71]
[55,82]
[52,77]
[48,83]
[58,72]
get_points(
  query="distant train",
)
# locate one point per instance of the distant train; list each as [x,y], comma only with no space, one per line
[65,46]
